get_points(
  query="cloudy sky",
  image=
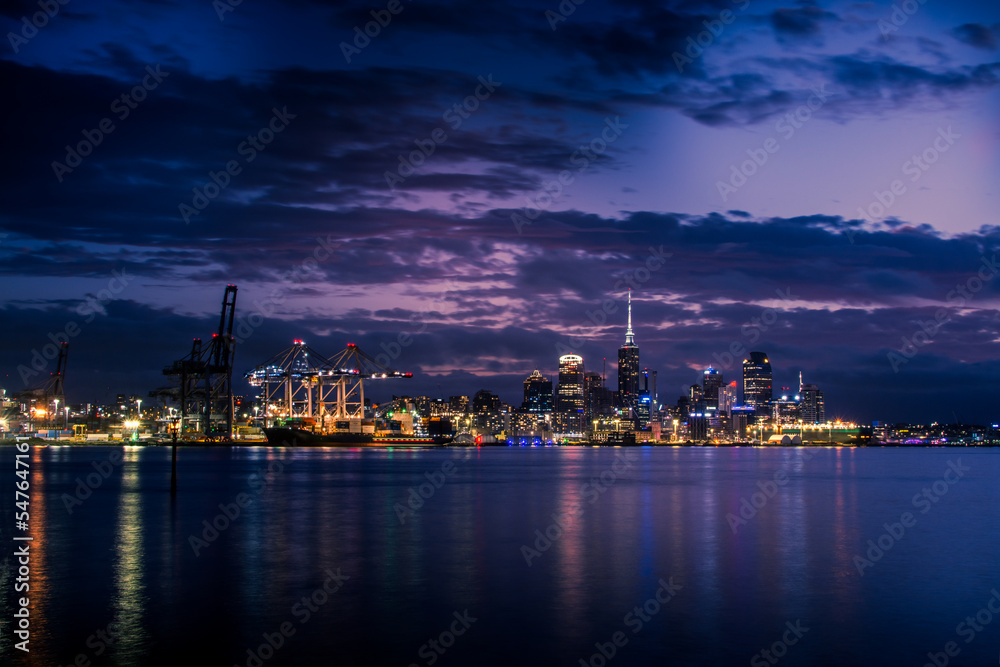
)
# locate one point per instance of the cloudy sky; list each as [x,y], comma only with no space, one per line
[816,180]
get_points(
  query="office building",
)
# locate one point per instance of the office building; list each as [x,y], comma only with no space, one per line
[537,393]
[485,401]
[643,408]
[811,407]
[598,399]
[569,395]
[459,404]
[727,399]
[757,381]
[711,384]
[649,386]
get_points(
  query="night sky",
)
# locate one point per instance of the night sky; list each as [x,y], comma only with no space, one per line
[813,180]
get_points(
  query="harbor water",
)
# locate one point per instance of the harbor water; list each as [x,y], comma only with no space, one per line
[506,556]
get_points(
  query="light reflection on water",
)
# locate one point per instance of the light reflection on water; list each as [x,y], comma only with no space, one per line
[125,555]
[129,598]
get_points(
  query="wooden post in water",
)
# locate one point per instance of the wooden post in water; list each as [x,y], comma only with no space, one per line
[173,468]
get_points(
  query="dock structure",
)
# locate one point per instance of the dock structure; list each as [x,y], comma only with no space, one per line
[204,379]
[300,383]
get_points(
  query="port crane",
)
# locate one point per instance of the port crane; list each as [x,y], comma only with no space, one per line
[204,378]
[299,382]
[52,389]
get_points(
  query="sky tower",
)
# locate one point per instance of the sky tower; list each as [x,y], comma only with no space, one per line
[628,365]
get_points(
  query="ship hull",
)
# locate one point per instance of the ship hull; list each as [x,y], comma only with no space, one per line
[294,437]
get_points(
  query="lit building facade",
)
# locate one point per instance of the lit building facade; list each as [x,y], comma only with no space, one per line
[598,399]
[757,380]
[537,393]
[649,386]
[570,392]
[711,384]
[812,409]
[727,399]
[485,401]
[628,365]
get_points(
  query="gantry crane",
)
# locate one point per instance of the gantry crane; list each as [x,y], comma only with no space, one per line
[205,377]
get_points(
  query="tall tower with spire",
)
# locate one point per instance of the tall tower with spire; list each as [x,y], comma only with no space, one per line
[629,335]
[628,365]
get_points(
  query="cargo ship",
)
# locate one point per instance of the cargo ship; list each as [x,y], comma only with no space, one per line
[357,433]
[282,436]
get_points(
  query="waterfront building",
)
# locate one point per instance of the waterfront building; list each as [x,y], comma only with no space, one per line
[811,408]
[785,410]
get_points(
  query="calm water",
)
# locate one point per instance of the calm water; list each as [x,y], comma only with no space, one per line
[397,578]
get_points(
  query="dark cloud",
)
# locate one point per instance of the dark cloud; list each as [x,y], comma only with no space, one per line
[977,35]
[804,21]
[505,319]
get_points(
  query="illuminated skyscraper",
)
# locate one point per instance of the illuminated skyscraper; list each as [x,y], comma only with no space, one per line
[598,400]
[727,399]
[756,380]
[710,386]
[647,406]
[628,365]
[537,393]
[811,408]
[643,408]
[649,385]
[569,396]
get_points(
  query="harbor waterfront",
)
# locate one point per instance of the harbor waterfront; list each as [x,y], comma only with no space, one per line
[548,332]
[506,555]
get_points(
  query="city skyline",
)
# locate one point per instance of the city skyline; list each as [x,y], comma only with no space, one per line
[734,365]
[813,180]
[573,392]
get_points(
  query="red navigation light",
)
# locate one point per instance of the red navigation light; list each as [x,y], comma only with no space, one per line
[479,439]
[407,375]
[351,345]
[297,341]
[215,335]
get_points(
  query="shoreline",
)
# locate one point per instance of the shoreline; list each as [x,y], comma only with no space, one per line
[264,443]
